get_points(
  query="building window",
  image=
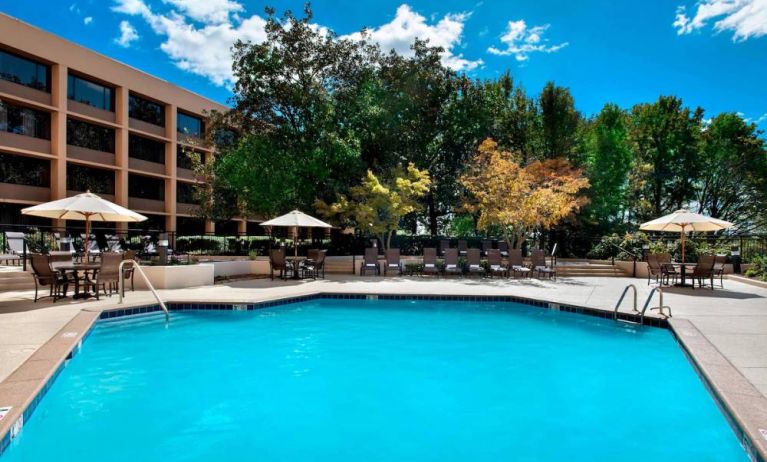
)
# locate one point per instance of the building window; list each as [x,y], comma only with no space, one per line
[190,125]
[85,135]
[24,121]
[146,111]
[95,180]
[90,93]
[183,159]
[24,71]
[145,187]
[186,226]
[146,149]
[26,171]
[185,193]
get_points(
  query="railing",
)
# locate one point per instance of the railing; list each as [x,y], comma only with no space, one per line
[660,304]
[634,258]
[121,288]
[620,300]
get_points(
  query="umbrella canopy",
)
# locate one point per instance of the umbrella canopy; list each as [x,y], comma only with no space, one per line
[296,219]
[86,206]
[683,221]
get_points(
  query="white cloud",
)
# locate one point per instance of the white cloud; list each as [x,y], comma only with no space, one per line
[207,11]
[87,20]
[407,25]
[128,34]
[521,41]
[744,18]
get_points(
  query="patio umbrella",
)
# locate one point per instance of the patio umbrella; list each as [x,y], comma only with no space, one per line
[295,220]
[86,206]
[683,221]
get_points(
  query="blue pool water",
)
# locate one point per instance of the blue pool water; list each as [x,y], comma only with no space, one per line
[353,380]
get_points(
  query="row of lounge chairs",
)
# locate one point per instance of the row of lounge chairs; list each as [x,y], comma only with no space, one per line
[463,247]
[495,265]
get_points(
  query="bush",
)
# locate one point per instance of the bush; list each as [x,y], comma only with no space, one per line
[620,248]
[758,270]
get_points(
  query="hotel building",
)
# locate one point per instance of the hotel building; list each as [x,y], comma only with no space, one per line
[72,119]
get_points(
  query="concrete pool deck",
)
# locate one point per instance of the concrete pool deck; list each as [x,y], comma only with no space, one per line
[725,330]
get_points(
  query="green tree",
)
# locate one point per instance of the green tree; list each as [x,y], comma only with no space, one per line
[665,138]
[608,156]
[733,172]
[559,123]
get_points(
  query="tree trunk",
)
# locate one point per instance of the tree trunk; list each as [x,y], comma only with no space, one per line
[432,208]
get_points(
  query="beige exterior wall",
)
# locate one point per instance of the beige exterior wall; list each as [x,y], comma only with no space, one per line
[64,56]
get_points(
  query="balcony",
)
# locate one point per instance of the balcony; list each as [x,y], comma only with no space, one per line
[23,91]
[19,192]
[186,209]
[185,174]
[146,127]
[90,155]
[146,166]
[148,205]
[96,113]
[28,143]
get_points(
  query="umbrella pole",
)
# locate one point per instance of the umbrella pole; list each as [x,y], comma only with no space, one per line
[683,260]
[295,241]
[87,236]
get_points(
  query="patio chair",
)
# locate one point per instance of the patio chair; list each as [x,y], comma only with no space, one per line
[487,245]
[451,262]
[474,262]
[277,262]
[128,270]
[430,261]
[393,262]
[719,262]
[314,265]
[539,265]
[503,247]
[495,263]
[704,269]
[444,244]
[14,242]
[517,264]
[654,269]
[462,248]
[65,245]
[667,268]
[44,275]
[108,274]
[370,262]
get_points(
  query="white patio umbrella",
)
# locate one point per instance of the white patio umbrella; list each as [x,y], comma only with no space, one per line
[683,221]
[296,219]
[86,206]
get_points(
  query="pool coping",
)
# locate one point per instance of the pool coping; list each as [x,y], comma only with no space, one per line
[744,407]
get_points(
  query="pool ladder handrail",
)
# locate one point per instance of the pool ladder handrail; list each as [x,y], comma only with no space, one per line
[641,314]
[121,287]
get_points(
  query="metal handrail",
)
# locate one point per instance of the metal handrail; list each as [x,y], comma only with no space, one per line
[121,287]
[660,305]
[620,300]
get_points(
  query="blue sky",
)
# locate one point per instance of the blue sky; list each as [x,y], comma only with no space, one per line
[712,53]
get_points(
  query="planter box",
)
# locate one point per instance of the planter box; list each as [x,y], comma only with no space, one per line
[177,277]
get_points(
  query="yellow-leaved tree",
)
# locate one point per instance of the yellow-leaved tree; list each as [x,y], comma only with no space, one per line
[377,206]
[520,199]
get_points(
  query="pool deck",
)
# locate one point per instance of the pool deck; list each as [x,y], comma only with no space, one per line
[725,330]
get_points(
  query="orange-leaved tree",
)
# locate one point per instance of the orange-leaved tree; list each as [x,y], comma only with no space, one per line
[519,199]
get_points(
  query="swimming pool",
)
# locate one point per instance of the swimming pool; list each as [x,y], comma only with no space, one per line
[377,380]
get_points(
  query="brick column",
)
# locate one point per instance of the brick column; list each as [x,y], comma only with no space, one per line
[59,136]
[170,167]
[122,156]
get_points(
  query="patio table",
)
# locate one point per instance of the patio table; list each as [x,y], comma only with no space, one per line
[296,263]
[683,273]
[75,269]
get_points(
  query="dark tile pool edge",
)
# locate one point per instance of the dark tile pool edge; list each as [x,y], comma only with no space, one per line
[746,430]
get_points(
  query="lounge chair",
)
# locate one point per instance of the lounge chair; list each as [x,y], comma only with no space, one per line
[474,262]
[704,269]
[462,248]
[444,244]
[277,262]
[430,261]
[495,263]
[113,243]
[44,275]
[517,264]
[14,242]
[503,247]
[487,245]
[719,262]
[370,262]
[451,262]
[539,264]
[393,262]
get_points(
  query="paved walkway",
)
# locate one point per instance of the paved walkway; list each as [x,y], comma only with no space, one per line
[725,330]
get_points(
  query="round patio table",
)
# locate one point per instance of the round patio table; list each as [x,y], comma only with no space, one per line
[296,262]
[75,269]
